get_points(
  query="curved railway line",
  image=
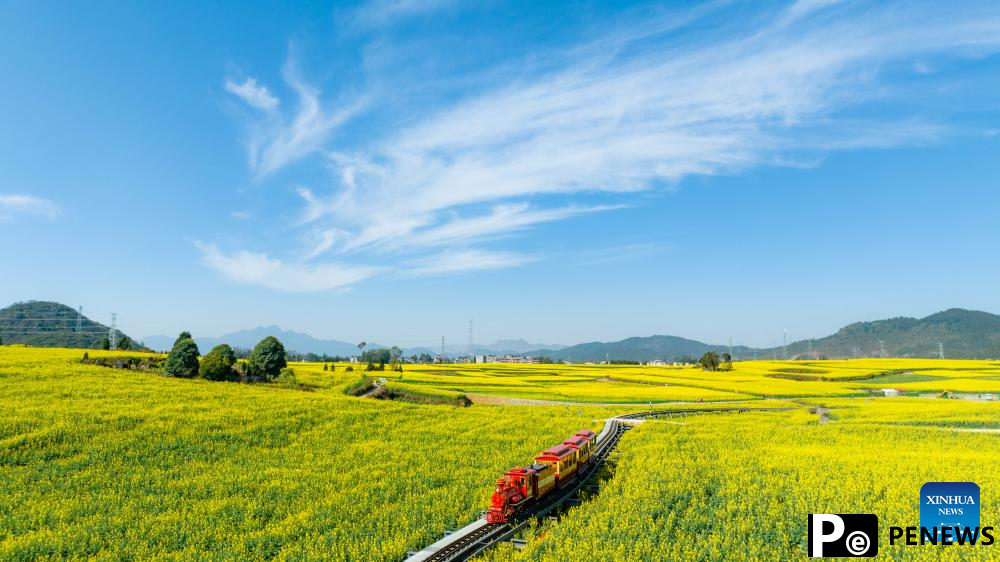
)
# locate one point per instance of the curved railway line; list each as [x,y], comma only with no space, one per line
[480,535]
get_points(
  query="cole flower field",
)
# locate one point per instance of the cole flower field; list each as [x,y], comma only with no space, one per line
[113,464]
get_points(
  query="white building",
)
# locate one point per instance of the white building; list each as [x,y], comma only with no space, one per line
[889,392]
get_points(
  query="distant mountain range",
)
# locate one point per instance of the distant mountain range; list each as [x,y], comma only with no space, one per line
[50,324]
[293,341]
[304,343]
[961,333]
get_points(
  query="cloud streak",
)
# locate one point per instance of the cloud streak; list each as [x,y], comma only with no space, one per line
[14,205]
[263,270]
[610,117]
[254,95]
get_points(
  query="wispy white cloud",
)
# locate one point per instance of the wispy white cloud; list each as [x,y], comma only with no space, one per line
[611,117]
[464,261]
[261,269]
[14,204]
[254,95]
[277,139]
[619,124]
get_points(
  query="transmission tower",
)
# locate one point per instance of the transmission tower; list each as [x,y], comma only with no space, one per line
[469,351]
[113,338]
[940,350]
[79,319]
[442,349]
[881,349]
[730,347]
[784,346]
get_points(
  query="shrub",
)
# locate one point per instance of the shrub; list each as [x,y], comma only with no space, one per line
[183,359]
[267,359]
[286,377]
[217,365]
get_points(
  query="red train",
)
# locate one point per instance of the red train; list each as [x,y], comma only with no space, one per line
[553,468]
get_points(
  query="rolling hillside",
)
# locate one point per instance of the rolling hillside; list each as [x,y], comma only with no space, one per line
[965,334]
[666,348]
[50,324]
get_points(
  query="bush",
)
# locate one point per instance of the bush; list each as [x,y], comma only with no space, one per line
[286,377]
[183,359]
[267,359]
[349,369]
[218,364]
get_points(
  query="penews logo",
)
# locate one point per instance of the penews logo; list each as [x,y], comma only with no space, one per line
[948,508]
[843,534]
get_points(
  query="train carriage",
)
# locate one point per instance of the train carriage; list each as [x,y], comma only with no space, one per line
[553,468]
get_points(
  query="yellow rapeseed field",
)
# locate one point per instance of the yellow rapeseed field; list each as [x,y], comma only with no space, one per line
[740,487]
[99,463]
[111,464]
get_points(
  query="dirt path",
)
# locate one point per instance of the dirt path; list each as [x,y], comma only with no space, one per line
[492,400]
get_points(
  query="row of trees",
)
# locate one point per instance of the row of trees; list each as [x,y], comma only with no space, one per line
[265,362]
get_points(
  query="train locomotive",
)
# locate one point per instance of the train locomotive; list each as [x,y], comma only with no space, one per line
[553,468]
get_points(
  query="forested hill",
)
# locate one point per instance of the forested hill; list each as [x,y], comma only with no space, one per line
[964,334]
[50,324]
[666,348]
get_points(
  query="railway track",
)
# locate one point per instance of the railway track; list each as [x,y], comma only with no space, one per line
[479,535]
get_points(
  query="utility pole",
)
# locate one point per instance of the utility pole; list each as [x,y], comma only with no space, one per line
[79,319]
[940,350]
[784,346]
[881,348]
[442,349]
[730,347]
[113,338]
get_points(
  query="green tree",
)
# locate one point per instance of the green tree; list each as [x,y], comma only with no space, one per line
[183,359]
[217,365]
[126,343]
[709,361]
[268,358]
[727,362]
[105,343]
[185,335]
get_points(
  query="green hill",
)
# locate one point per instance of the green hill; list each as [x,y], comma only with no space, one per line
[965,334]
[665,348]
[50,324]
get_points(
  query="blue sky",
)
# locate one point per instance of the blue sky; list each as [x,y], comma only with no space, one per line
[559,172]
